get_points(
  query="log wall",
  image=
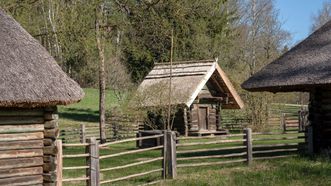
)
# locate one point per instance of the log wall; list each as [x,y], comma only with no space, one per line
[320,119]
[27,146]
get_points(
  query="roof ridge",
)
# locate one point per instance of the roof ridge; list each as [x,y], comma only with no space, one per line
[185,62]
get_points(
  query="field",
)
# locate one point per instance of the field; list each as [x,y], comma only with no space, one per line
[287,171]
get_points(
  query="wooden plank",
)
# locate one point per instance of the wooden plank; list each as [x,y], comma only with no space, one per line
[21,153]
[132,139]
[249,145]
[275,150]
[7,173]
[210,163]
[93,161]
[20,162]
[8,129]
[84,178]
[30,144]
[213,156]
[22,180]
[132,164]
[131,152]
[76,155]
[274,157]
[75,168]
[130,176]
[21,120]
[59,161]
[21,136]
[209,142]
[209,149]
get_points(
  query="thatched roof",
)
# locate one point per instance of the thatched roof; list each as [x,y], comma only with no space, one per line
[29,75]
[302,68]
[188,79]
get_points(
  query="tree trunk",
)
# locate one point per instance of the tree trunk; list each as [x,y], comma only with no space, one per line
[102,82]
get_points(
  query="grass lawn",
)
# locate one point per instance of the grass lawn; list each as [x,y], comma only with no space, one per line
[294,171]
[86,111]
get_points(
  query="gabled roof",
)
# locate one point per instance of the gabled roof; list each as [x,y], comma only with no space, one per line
[29,75]
[305,66]
[188,79]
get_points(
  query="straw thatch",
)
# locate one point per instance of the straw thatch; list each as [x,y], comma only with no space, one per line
[29,76]
[188,79]
[302,68]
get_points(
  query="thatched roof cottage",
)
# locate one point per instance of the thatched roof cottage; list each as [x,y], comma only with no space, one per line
[305,68]
[31,85]
[201,88]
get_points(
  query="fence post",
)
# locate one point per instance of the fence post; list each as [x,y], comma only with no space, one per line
[171,155]
[82,133]
[164,154]
[249,145]
[93,162]
[283,122]
[59,157]
[310,140]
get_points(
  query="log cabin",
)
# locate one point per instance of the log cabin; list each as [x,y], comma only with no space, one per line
[304,68]
[31,87]
[199,90]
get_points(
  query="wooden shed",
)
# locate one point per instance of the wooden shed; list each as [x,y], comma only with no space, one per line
[31,85]
[304,68]
[201,88]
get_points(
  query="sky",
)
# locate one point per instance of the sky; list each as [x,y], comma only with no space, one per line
[296,16]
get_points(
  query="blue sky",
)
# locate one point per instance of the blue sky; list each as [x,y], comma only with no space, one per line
[296,15]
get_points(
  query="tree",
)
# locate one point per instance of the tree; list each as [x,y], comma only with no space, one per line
[323,16]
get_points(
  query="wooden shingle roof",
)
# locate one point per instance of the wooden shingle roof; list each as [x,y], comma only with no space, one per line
[188,79]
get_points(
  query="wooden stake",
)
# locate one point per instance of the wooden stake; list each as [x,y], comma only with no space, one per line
[93,161]
[249,145]
[58,144]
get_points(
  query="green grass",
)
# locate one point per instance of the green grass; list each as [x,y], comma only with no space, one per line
[86,111]
[295,171]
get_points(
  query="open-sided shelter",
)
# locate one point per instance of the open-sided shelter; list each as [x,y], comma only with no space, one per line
[31,85]
[200,89]
[305,68]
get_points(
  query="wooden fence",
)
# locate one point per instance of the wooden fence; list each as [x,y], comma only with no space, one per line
[172,154]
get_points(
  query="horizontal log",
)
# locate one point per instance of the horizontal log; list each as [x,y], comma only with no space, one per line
[7,173]
[20,162]
[21,136]
[271,139]
[210,163]
[132,139]
[132,164]
[48,142]
[21,112]
[209,142]
[30,144]
[76,155]
[51,124]
[21,120]
[8,129]
[131,176]
[49,159]
[209,149]
[51,116]
[274,150]
[49,166]
[84,178]
[131,152]
[22,180]
[75,145]
[274,157]
[275,145]
[21,153]
[49,177]
[51,133]
[213,156]
[50,150]
[75,168]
